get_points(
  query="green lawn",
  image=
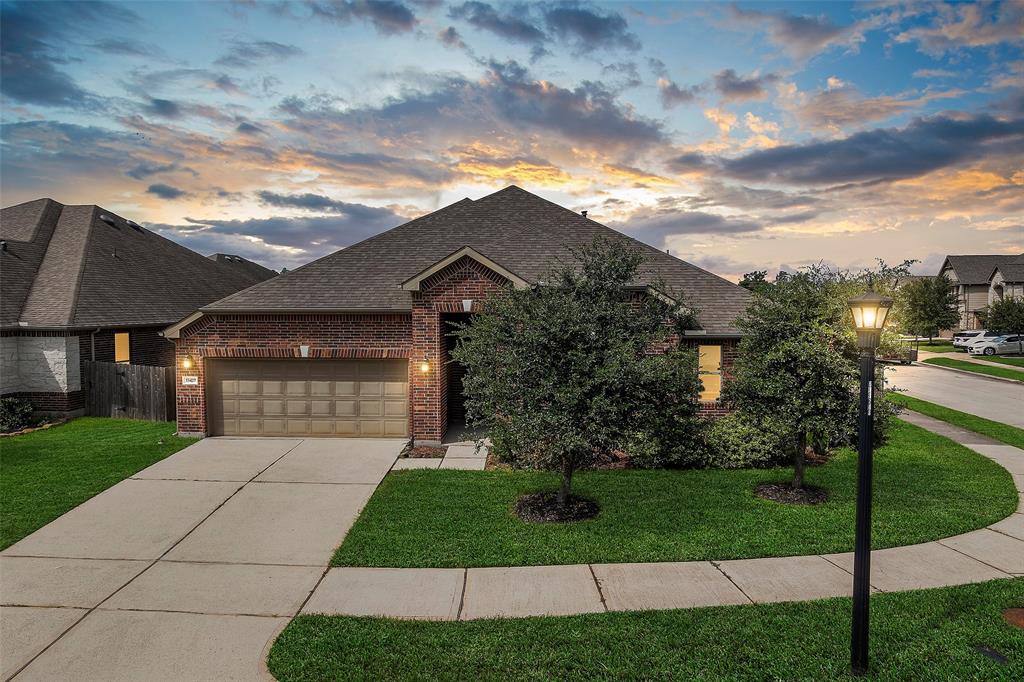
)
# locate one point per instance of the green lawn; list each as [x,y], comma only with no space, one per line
[1004,372]
[937,347]
[1011,435]
[1006,360]
[923,635]
[926,487]
[45,473]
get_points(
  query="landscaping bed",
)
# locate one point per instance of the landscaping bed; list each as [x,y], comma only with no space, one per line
[47,472]
[940,634]
[926,487]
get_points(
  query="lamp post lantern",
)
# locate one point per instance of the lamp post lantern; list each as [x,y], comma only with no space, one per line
[869,313]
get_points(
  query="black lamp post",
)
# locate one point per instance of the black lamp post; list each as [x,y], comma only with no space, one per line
[869,313]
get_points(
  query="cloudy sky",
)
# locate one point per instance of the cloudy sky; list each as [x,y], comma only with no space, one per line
[740,136]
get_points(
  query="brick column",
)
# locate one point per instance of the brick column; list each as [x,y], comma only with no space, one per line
[427,388]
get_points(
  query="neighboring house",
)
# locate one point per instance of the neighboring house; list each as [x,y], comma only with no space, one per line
[80,283]
[970,276]
[1007,281]
[356,343]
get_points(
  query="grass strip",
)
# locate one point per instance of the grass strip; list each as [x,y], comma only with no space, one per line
[1011,435]
[1002,372]
[954,633]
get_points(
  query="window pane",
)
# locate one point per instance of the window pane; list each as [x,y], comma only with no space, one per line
[712,387]
[710,371]
[121,352]
[710,358]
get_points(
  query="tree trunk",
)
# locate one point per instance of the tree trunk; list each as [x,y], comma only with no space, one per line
[563,491]
[798,461]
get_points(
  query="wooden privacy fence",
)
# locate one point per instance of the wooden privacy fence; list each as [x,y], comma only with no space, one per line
[131,391]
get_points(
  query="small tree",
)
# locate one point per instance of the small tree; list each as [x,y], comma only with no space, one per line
[929,305]
[1006,316]
[794,374]
[562,374]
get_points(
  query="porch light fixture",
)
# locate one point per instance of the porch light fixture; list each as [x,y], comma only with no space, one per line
[424,367]
[869,312]
[187,362]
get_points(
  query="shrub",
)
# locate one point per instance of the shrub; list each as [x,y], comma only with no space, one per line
[15,414]
[736,441]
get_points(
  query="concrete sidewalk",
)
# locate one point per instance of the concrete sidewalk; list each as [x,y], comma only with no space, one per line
[522,591]
[189,569]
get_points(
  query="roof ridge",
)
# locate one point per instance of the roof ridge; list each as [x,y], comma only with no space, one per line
[291,273]
[76,293]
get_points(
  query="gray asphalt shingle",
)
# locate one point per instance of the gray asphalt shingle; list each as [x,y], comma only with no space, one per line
[518,230]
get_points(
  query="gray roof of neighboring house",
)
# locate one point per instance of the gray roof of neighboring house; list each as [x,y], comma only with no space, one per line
[978,269]
[1011,272]
[65,267]
[234,262]
[520,231]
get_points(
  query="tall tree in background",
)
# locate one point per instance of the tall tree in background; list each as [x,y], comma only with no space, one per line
[756,281]
[928,306]
[1006,316]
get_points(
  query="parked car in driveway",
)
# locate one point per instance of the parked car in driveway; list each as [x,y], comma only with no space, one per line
[999,345]
[965,338]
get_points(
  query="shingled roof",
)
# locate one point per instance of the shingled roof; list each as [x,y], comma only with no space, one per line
[85,267]
[1011,272]
[978,269]
[519,231]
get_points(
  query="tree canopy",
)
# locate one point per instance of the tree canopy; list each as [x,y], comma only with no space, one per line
[562,374]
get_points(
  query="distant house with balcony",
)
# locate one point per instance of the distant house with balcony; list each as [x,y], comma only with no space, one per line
[981,279]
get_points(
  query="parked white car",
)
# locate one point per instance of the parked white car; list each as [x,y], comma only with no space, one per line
[965,338]
[999,345]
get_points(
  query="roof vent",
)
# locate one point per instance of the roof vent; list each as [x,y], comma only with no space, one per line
[583,213]
[134,225]
[3,246]
[108,220]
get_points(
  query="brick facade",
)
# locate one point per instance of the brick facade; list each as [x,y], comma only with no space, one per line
[281,336]
[418,336]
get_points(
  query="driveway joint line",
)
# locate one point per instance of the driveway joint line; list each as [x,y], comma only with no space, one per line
[969,556]
[462,597]
[597,583]
[729,578]
[152,563]
[194,613]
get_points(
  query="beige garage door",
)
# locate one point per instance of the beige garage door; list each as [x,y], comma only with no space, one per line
[293,397]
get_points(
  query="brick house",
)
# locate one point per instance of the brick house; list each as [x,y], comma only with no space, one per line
[80,283]
[972,279]
[356,344]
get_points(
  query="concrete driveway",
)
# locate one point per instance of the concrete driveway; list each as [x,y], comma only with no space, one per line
[189,569]
[1001,401]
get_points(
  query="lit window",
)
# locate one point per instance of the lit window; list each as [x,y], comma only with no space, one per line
[121,352]
[710,371]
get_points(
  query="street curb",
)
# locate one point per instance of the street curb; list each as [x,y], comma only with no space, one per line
[973,374]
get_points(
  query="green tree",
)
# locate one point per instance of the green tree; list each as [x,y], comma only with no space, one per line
[561,374]
[1006,316]
[795,373]
[927,306]
[755,281]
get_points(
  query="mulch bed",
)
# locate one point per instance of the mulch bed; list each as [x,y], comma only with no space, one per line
[30,429]
[544,508]
[787,494]
[425,451]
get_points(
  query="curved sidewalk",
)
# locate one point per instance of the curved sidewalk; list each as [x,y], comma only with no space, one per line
[514,592]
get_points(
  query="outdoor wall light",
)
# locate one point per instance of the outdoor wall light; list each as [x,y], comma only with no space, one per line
[186,362]
[425,367]
[869,313]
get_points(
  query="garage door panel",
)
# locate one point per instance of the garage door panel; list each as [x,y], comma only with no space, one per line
[293,397]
